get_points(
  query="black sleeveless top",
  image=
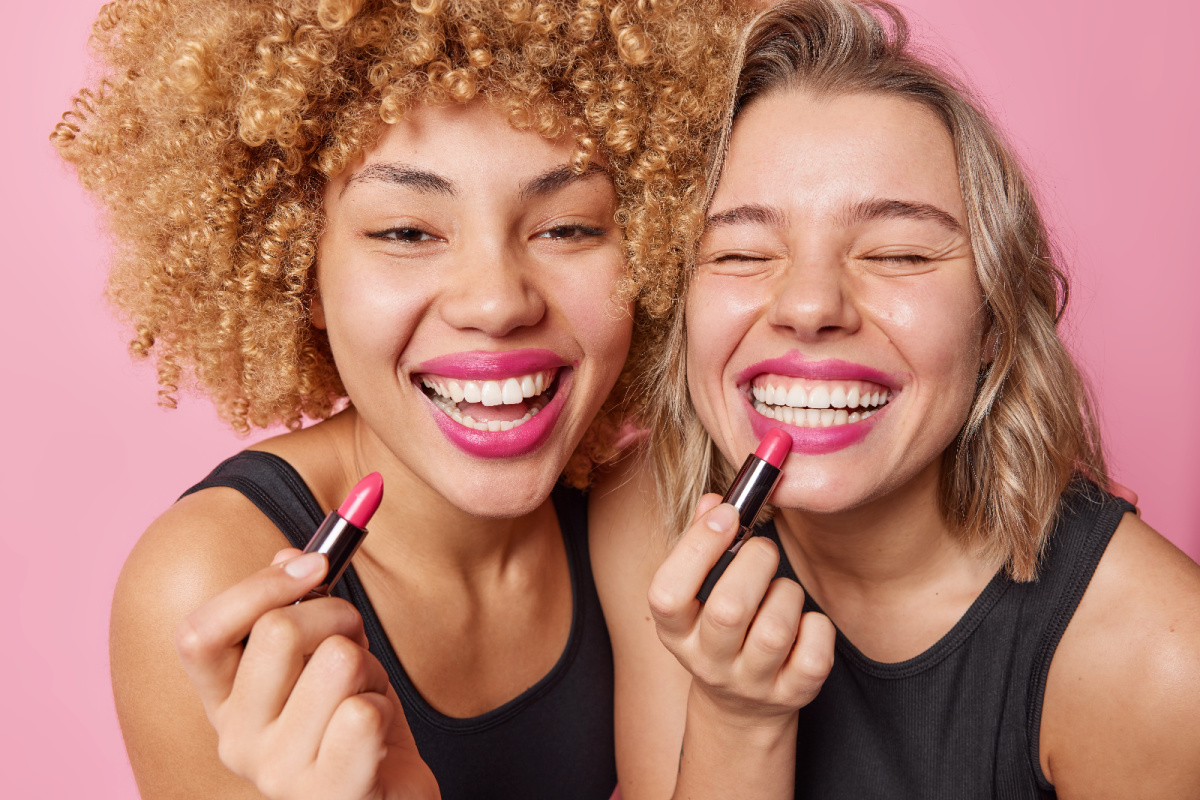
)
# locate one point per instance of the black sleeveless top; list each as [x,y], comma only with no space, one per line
[554,740]
[959,721]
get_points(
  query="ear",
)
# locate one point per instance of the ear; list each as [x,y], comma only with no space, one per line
[316,309]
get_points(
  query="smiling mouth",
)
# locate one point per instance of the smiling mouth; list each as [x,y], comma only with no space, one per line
[495,405]
[816,404]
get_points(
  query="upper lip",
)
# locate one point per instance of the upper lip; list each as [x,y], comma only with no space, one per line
[490,365]
[795,365]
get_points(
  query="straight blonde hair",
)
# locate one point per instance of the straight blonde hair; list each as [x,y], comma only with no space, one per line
[1031,429]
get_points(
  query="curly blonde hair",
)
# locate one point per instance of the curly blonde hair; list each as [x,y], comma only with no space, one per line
[219,122]
[1031,429]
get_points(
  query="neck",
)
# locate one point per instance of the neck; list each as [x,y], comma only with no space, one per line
[894,544]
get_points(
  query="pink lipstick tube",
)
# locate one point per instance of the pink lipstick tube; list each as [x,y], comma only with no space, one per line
[748,494]
[343,531]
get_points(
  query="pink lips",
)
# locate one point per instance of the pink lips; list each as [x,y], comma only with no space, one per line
[817,441]
[485,365]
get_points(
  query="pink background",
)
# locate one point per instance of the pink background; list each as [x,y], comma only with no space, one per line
[1101,101]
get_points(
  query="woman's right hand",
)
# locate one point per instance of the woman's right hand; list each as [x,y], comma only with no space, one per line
[302,709]
[752,654]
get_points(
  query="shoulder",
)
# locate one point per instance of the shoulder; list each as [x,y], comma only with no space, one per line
[1122,707]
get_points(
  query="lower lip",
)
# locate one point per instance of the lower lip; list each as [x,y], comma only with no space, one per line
[514,442]
[816,441]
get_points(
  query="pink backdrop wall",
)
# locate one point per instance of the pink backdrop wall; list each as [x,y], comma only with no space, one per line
[1103,105]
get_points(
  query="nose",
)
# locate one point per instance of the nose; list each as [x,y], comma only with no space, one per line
[815,299]
[491,290]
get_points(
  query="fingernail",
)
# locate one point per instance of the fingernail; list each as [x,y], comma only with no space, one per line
[304,566]
[722,518]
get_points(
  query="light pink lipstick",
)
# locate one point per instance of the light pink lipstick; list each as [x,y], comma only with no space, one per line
[343,531]
[748,494]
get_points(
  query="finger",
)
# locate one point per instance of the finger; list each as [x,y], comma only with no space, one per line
[339,669]
[672,594]
[808,666]
[209,639]
[735,599]
[707,503]
[773,631]
[354,743]
[281,644]
[1125,493]
[286,554]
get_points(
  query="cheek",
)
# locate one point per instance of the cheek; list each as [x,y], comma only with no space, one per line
[937,325]
[601,322]
[370,313]
[720,311]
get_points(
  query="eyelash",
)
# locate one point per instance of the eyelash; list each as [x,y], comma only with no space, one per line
[416,235]
[402,235]
[576,231]
[900,259]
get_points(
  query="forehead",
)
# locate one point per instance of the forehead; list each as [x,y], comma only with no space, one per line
[468,145]
[792,149]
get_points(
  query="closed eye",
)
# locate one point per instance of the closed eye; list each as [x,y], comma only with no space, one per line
[904,258]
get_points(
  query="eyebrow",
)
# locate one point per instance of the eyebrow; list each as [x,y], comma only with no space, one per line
[753,214]
[556,178]
[870,210]
[404,175]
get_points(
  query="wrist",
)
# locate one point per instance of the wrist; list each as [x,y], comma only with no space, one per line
[759,726]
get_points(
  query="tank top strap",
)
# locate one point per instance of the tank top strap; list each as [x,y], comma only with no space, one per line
[278,491]
[275,488]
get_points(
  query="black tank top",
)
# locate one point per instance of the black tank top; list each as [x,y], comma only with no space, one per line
[554,740]
[959,721]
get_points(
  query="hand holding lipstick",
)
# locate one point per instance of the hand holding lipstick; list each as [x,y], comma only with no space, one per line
[748,647]
[303,710]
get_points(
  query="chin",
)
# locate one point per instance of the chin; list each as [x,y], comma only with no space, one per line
[503,493]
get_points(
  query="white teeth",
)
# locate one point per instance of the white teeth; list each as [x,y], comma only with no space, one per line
[837,398]
[494,425]
[490,394]
[827,417]
[797,397]
[510,393]
[818,398]
[471,392]
[811,417]
[841,417]
[527,387]
[456,391]
[852,397]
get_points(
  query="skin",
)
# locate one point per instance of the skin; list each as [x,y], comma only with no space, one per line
[860,525]
[405,274]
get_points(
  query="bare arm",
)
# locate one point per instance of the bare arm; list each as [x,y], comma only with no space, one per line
[627,546]
[204,544]
[755,661]
[1121,717]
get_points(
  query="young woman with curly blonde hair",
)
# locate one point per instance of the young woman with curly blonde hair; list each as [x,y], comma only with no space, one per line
[876,280]
[366,213]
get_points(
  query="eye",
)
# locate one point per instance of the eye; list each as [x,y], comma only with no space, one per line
[734,257]
[406,235]
[570,232]
[900,259]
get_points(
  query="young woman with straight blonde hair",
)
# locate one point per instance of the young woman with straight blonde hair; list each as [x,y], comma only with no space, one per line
[977,619]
